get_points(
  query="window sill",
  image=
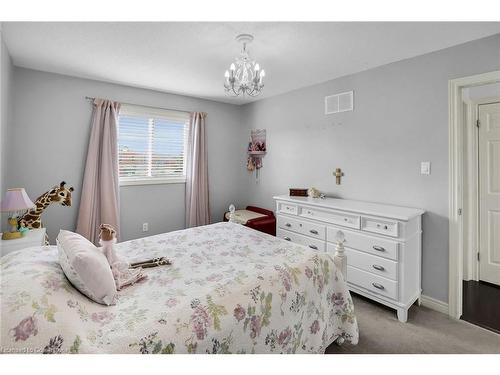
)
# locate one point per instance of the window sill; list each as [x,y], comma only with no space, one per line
[159,181]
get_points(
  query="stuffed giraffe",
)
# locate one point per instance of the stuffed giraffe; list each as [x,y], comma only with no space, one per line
[58,194]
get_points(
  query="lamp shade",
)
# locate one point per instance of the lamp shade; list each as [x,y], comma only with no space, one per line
[16,200]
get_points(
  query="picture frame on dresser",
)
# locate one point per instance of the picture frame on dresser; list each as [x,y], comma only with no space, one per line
[383,243]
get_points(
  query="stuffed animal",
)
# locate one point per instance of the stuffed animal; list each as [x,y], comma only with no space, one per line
[107,241]
[123,274]
[32,218]
[58,194]
[313,192]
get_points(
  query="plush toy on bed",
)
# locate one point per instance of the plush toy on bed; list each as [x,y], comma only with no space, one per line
[123,274]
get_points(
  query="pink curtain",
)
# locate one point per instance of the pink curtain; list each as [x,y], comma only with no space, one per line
[99,201]
[197,207]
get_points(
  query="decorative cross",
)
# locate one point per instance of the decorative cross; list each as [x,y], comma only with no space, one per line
[338,174]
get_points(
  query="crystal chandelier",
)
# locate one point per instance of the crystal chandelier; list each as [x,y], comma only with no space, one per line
[244,75]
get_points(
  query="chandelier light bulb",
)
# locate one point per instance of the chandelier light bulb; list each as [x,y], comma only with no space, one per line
[245,76]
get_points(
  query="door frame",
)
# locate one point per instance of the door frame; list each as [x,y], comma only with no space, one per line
[459,193]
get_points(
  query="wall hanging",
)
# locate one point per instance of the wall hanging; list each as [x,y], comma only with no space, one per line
[256,150]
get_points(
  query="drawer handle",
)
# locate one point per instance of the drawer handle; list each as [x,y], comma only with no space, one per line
[377,267]
[287,238]
[313,231]
[345,219]
[313,247]
[378,248]
[378,286]
[288,225]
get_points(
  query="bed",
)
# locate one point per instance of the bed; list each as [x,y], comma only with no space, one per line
[230,289]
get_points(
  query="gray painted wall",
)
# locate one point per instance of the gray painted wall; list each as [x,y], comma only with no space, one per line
[5,107]
[50,135]
[400,119]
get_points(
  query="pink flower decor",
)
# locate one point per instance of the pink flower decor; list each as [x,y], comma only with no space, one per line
[314,327]
[255,326]
[284,337]
[239,312]
[200,321]
[171,302]
[102,317]
[52,283]
[26,328]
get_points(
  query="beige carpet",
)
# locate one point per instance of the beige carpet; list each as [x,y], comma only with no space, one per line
[427,331]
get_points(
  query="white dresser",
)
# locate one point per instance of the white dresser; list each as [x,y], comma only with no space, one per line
[383,243]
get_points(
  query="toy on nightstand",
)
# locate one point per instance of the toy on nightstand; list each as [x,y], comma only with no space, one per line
[24,231]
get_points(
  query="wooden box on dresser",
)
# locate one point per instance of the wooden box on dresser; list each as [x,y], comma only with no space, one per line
[383,243]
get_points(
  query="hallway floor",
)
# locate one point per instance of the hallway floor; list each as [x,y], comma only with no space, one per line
[481,304]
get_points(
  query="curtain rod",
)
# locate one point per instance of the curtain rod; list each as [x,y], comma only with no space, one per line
[89,98]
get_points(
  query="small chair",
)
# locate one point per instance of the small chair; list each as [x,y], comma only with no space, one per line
[256,218]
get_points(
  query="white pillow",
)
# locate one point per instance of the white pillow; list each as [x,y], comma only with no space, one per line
[86,267]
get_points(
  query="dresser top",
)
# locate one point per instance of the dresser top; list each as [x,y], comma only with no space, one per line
[368,208]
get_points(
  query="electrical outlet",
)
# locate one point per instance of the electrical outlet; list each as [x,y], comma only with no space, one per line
[145,227]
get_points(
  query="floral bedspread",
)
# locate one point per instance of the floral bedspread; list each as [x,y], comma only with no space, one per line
[230,289]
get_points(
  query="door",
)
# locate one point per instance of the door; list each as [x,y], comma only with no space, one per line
[489,193]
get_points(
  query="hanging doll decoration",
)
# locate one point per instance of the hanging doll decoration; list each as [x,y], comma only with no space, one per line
[256,150]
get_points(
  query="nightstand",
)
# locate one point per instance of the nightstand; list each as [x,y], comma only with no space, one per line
[35,237]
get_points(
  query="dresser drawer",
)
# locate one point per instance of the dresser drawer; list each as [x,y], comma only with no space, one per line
[289,223]
[331,216]
[306,228]
[364,242]
[302,240]
[382,226]
[313,230]
[287,208]
[370,263]
[373,283]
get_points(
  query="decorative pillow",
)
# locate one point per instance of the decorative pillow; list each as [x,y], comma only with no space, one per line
[86,267]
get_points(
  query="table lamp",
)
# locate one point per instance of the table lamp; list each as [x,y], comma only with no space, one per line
[17,202]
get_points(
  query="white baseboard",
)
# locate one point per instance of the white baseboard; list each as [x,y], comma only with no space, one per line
[434,304]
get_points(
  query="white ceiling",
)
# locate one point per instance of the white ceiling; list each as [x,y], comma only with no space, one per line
[190,58]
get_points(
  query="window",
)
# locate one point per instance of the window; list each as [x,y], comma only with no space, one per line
[151,145]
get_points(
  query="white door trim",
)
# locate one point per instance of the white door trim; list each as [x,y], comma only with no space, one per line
[456,183]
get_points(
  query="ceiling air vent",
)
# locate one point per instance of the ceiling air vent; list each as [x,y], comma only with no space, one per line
[339,102]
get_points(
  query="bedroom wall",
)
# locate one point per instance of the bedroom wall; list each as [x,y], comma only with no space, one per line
[50,135]
[400,119]
[6,70]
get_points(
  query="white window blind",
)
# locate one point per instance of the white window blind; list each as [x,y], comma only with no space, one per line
[151,145]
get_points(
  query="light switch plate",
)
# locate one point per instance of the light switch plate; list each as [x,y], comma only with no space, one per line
[425,167]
